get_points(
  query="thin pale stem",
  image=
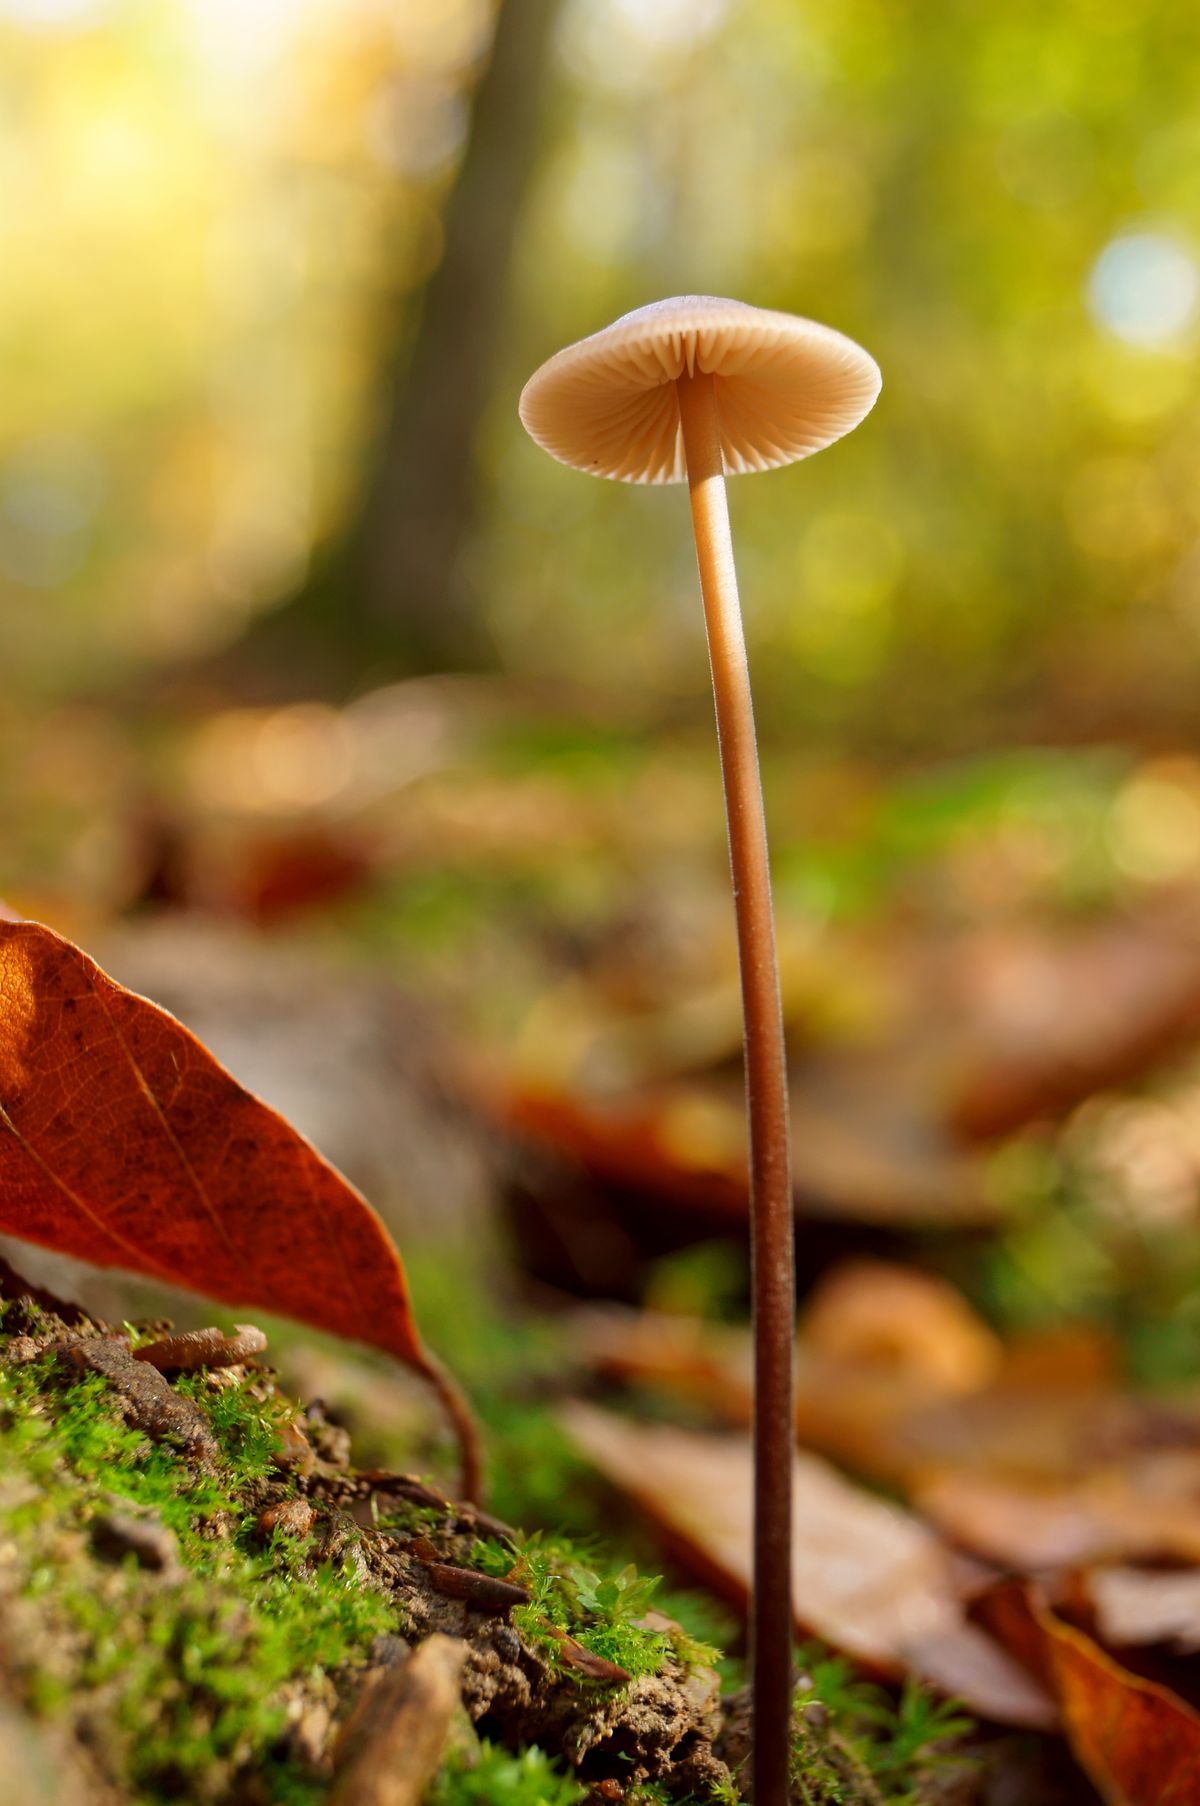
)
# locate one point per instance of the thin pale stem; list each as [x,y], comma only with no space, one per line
[771,1234]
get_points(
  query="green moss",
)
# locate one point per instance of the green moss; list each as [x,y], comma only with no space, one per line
[654,1793]
[492,1776]
[601,1608]
[181,1677]
[184,1683]
[511,1365]
[853,1743]
[245,1425]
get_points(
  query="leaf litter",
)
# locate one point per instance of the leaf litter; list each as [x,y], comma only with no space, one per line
[868,1577]
[940,1404]
[1029,1455]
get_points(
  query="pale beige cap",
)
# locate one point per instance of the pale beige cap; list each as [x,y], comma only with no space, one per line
[785,387]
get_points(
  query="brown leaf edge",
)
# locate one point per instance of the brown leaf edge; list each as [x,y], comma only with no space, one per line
[1138,1743]
[402,1340]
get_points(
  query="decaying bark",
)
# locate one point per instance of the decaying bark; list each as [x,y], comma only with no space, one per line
[392,1742]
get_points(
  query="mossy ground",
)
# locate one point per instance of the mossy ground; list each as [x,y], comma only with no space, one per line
[220,1676]
[188,1681]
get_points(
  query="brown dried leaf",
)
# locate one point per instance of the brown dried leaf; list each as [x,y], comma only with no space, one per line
[1138,1742]
[895,1374]
[868,1578]
[878,1314]
[1028,1455]
[1144,1606]
[849,1161]
[1030,1525]
[124,1143]
[1056,1017]
[969,1037]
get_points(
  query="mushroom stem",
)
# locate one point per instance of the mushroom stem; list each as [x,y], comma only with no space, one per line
[771,1231]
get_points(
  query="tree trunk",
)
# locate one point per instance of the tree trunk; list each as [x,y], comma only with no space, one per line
[390,596]
[406,560]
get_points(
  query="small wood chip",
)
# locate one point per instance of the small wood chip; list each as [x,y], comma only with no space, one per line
[466,1516]
[295,1454]
[594,1667]
[291,1517]
[421,1547]
[482,1592]
[203,1348]
[147,1400]
[392,1743]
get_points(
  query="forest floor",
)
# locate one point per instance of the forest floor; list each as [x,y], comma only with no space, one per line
[204,1600]
[516,1028]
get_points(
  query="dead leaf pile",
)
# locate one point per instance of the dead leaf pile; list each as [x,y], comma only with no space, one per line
[869,1579]
[914,1051]
[1025,1460]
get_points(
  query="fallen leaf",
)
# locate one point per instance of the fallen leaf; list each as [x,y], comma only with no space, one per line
[125,1144]
[969,1033]
[857,1412]
[1003,1608]
[868,1578]
[683,1145]
[308,869]
[1056,1017]
[1028,1454]
[210,1348]
[1142,1507]
[1143,1606]
[913,1324]
[896,1376]
[1138,1742]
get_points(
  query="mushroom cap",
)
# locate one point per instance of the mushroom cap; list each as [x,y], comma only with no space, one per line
[785,386]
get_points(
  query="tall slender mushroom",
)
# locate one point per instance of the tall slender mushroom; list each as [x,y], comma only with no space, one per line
[689,389]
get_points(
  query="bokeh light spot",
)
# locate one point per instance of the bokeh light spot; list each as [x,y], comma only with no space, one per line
[1145,288]
[1154,828]
[53,15]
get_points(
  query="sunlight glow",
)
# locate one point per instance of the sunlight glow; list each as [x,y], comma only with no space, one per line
[670,24]
[1145,287]
[53,15]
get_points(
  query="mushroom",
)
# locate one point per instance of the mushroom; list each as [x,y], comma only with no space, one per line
[689,389]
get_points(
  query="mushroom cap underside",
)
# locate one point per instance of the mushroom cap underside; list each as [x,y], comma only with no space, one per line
[785,387]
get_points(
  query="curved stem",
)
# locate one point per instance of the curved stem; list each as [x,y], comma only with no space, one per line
[462,1421]
[771,1231]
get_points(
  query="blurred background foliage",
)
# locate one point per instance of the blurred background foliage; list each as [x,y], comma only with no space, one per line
[297,627]
[275,271]
[346,724]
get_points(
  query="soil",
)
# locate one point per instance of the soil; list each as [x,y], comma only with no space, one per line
[387,1536]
